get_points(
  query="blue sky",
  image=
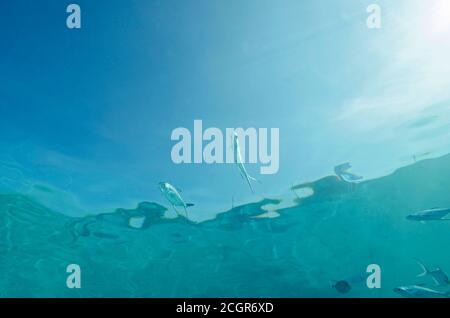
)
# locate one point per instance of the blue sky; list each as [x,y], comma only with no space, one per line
[89,112]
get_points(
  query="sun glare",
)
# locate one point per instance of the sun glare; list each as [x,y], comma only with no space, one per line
[439,17]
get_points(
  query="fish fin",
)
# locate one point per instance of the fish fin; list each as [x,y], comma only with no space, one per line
[423,267]
[189,205]
[254,179]
[438,284]
[186,212]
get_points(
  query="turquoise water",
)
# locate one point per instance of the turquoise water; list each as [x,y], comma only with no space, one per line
[331,234]
[87,115]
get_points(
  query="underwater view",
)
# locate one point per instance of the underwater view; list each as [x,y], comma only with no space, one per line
[243,252]
[196,149]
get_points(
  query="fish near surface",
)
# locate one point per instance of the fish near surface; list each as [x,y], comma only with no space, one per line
[439,277]
[417,291]
[240,163]
[173,195]
[435,214]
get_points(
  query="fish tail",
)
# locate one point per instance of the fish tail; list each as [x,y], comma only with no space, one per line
[424,268]
[250,178]
[254,179]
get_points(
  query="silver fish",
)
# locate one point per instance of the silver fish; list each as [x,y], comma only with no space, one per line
[439,277]
[173,195]
[342,171]
[416,291]
[435,214]
[240,163]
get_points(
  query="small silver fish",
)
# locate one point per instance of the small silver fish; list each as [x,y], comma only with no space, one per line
[439,277]
[173,195]
[416,291]
[239,162]
[342,171]
[435,214]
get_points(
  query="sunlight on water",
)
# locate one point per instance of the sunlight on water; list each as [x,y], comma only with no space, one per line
[224,149]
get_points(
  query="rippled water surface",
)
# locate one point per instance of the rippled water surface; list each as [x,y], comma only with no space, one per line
[330,235]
